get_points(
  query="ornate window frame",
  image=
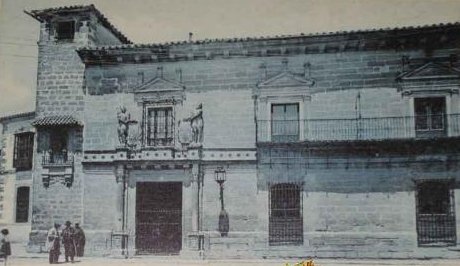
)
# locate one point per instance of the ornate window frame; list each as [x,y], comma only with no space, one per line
[158,93]
[147,106]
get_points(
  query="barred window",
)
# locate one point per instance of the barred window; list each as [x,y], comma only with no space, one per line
[285,122]
[286,219]
[160,126]
[22,204]
[65,30]
[436,213]
[23,151]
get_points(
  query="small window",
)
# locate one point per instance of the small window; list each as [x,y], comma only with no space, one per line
[23,151]
[285,122]
[65,30]
[22,205]
[160,122]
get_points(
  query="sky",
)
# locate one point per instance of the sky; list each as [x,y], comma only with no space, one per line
[153,21]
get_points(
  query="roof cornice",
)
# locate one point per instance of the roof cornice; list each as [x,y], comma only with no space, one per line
[375,39]
[18,115]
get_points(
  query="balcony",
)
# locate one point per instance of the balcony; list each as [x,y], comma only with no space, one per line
[61,158]
[57,168]
[362,129]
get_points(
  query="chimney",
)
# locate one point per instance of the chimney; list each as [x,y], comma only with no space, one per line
[190,36]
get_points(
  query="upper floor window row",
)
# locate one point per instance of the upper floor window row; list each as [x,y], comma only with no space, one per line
[429,120]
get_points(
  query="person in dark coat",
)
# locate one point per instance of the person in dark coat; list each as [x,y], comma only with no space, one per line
[79,240]
[68,240]
[54,246]
[5,248]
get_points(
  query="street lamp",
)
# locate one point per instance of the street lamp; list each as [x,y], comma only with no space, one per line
[220,176]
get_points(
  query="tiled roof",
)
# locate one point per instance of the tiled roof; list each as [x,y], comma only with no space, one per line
[19,115]
[41,14]
[267,38]
[58,120]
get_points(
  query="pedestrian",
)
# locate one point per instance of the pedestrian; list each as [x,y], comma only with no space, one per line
[5,248]
[68,240]
[80,240]
[54,246]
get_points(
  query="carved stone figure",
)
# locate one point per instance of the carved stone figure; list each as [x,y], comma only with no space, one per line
[196,123]
[124,120]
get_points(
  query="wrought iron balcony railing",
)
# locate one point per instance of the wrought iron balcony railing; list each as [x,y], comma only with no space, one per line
[378,128]
[52,158]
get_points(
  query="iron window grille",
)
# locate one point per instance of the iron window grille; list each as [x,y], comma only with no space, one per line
[285,217]
[65,30]
[23,151]
[436,223]
[160,126]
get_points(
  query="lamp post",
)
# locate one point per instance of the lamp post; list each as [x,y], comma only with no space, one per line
[220,176]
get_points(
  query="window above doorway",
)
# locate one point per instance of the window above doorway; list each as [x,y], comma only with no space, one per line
[159,126]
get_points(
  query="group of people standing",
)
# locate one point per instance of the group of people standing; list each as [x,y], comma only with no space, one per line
[73,240]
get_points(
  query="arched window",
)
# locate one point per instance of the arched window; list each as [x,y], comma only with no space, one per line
[22,204]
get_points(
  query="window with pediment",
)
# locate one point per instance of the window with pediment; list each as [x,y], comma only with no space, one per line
[280,105]
[159,98]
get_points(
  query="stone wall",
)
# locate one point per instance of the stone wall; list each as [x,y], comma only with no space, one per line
[60,91]
[11,179]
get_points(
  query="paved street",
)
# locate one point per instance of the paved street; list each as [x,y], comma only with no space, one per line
[144,261]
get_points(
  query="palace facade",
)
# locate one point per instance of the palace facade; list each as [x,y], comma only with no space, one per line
[341,144]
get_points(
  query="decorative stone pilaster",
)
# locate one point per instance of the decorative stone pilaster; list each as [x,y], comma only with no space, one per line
[120,172]
[195,238]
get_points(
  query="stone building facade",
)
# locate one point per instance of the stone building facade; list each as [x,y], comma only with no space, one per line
[16,175]
[331,145]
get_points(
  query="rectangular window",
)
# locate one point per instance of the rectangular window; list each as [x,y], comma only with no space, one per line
[285,218]
[435,213]
[430,116]
[65,30]
[23,151]
[22,204]
[160,126]
[285,122]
